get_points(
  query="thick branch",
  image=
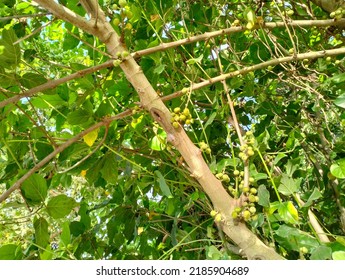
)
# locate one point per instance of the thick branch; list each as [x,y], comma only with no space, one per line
[245,70]
[66,14]
[78,21]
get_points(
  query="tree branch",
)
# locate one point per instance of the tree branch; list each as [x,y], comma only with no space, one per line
[59,149]
[25,16]
[208,35]
[162,47]
[66,14]
[245,70]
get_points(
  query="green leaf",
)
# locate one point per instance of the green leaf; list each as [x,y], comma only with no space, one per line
[48,101]
[315,195]
[321,253]
[262,140]
[42,150]
[291,166]
[136,11]
[291,142]
[60,206]
[159,69]
[65,236]
[34,189]
[105,108]
[128,231]
[118,240]
[236,82]
[341,240]
[163,185]
[9,52]
[288,212]
[288,185]
[213,253]
[155,144]
[76,228]
[158,142]
[226,162]
[278,158]
[112,226]
[340,101]
[264,196]
[22,6]
[338,255]
[41,232]
[195,60]
[250,16]
[69,42]
[339,78]
[46,254]
[84,215]
[79,116]
[170,206]
[30,80]
[210,119]
[293,239]
[109,170]
[338,169]
[11,252]
[259,176]
[274,206]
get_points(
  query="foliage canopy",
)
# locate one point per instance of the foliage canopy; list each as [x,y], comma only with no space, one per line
[250,141]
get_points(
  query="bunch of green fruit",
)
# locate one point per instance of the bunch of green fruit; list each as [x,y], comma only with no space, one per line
[125,13]
[338,13]
[216,216]
[223,177]
[246,213]
[204,147]
[246,190]
[179,116]
[248,209]
[247,149]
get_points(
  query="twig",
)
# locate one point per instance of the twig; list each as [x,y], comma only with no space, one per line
[25,16]
[34,32]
